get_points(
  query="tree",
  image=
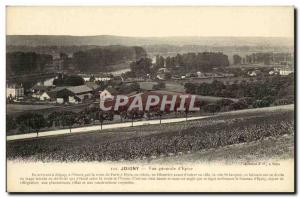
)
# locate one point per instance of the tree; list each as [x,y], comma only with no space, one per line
[100,58]
[141,67]
[32,121]
[159,61]
[68,119]
[66,80]
[26,62]
[101,118]
[212,108]
[237,59]
[10,122]
[38,122]
[92,78]
[190,88]
[261,103]
[190,62]
[54,118]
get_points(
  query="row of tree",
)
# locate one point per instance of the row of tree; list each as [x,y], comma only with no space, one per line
[34,122]
[188,62]
[266,58]
[68,80]
[271,89]
[98,58]
[204,61]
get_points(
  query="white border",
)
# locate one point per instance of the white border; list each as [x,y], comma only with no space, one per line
[4,3]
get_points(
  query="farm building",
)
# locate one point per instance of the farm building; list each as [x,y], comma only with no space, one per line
[75,94]
[79,93]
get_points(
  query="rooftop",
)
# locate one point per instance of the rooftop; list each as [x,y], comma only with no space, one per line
[79,89]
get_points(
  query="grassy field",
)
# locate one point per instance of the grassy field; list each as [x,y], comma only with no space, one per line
[170,86]
[15,109]
[19,108]
[244,128]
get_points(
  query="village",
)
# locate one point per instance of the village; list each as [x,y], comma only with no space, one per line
[92,89]
[67,97]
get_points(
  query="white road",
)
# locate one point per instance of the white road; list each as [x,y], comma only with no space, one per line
[98,128]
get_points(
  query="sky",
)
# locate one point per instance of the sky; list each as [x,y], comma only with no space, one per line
[151,21]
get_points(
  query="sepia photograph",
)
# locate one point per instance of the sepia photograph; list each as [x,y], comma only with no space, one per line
[114,98]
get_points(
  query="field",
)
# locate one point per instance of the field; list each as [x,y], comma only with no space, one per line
[15,109]
[275,148]
[18,108]
[263,128]
[170,86]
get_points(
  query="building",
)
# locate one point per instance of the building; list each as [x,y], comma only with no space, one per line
[45,96]
[285,72]
[74,94]
[79,93]
[108,92]
[39,90]
[95,87]
[15,91]
[98,77]
[57,94]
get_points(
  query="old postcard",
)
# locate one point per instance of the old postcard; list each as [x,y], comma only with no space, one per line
[150,99]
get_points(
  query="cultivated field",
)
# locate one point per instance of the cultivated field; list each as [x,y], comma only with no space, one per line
[263,128]
[275,148]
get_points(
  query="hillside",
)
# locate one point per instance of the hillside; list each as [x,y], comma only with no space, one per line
[101,40]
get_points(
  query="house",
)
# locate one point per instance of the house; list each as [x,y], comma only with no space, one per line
[38,90]
[58,94]
[79,93]
[252,73]
[98,77]
[108,92]
[45,96]
[285,72]
[95,87]
[14,91]
[74,94]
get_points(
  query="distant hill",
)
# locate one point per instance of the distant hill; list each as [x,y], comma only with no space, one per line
[103,40]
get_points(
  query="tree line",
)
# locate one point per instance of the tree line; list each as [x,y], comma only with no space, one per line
[26,62]
[204,61]
[266,58]
[277,89]
[98,58]
[181,63]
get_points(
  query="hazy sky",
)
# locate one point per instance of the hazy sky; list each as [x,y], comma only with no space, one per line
[152,21]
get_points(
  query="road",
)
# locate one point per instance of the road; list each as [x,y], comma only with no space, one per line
[98,128]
